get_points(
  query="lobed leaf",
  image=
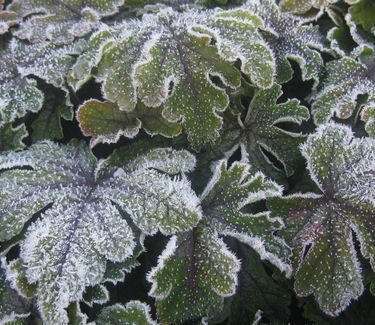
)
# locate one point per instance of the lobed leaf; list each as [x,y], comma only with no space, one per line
[196,270]
[228,192]
[7,18]
[260,131]
[320,226]
[105,122]
[60,21]
[83,229]
[19,93]
[345,80]
[194,273]
[290,38]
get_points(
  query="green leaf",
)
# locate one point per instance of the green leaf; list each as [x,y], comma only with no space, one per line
[11,138]
[227,194]
[60,21]
[196,270]
[83,228]
[237,36]
[260,131]
[320,226]
[13,308]
[19,93]
[105,122]
[173,58]
[257,291]
[363,13]
[81,71]
[344,81]
[7,19]
[134,312]
[289,37]
[194,273]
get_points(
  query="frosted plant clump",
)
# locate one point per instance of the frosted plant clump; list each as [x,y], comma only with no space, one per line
[320,226]
[187,162]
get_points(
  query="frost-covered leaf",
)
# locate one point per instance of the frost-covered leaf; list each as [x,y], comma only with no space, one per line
[105,122]
[81,71]
[320,226]
[7,18]
[196,270]
[237,36]
[228,192]
[173,69]
[13,308]
[134,312]
[18,91]
[60,21]
[194,273]
[344,81]
[83,228]
[168,59]
[11,138]
[290,37]
[261,132]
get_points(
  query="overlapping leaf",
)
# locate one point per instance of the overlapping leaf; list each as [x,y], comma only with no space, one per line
[19,93]
[290,37]
[7,18]
[344,81]
[60,21]
[66,250]
[105,122]
[134,312]
[320,226]
[194,273]
[260,132]
[169,59]
[196,270]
